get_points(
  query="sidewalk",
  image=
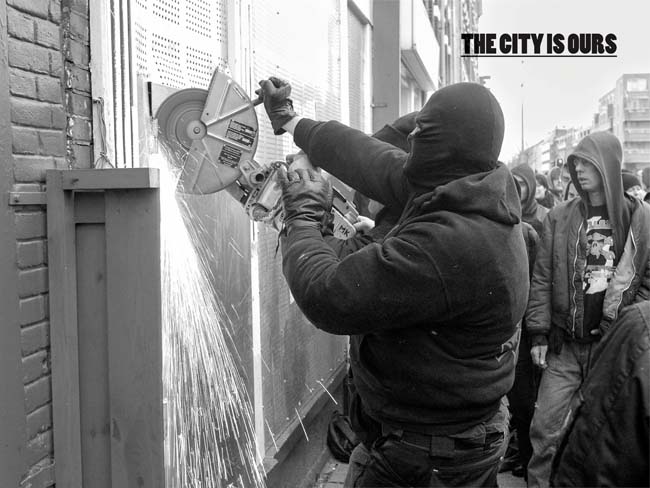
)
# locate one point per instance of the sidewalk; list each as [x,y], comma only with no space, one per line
[333,475]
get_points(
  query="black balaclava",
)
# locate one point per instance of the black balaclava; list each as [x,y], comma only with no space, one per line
[459,133]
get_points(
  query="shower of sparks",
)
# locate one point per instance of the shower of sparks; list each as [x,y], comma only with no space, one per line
[301,424]
[209,435]
[327,391]
[272,436]
[265,365]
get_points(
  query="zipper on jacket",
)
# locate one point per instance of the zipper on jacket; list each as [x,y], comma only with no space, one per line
[573,283]
[633,273]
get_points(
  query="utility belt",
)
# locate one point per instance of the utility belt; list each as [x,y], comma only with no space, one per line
[444,446]
[481,436]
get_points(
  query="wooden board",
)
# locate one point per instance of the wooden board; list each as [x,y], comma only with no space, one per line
[109,179]
[63,331]
[104,255]
[93,353]
[135,338]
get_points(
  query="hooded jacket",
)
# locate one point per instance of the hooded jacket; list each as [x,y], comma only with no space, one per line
[531,212]
[606,443]
[556,297]
[433,308]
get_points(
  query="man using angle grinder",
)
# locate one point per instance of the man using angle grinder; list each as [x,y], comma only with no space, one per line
[434,306]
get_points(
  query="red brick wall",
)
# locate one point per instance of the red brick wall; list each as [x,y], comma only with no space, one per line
[51,111]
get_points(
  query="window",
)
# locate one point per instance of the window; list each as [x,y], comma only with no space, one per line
[636,84]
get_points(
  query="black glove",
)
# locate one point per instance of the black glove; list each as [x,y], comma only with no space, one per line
[306,197]
[275,92]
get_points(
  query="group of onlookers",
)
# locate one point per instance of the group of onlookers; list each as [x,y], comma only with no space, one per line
[555,186]
[591,274]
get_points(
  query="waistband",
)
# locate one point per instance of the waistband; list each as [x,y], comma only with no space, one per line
[483,435]
[443,446]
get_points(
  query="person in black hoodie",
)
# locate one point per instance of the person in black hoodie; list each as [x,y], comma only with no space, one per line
[543,195]
[531,211]
[607,439]
[434,306]
[523,394]
[593,260]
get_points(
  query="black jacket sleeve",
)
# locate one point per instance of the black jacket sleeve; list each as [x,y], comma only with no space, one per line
[538,313]
[350,295]
[373,167]
[343,247]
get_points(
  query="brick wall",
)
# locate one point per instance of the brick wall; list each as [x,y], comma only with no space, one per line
[51,112]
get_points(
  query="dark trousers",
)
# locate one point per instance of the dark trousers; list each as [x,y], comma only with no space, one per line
[405,459]
[522,398]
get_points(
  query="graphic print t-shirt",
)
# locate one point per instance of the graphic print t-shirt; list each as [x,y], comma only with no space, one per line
[600,265]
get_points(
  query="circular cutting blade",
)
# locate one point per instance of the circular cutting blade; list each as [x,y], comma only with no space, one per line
[179,120]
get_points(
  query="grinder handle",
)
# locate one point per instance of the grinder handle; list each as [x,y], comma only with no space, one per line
[300,160]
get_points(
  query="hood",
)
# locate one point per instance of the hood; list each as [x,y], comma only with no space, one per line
[603,150]
[397,132]
[492,194]
[459,132]
[529,207]
[554,174]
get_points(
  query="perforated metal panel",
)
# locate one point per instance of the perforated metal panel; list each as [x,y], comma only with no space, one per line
[298,40]
[356,60]
[179,43]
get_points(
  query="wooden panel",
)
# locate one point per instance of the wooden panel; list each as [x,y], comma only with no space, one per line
[89,208]
[135,338]
[93,352]
[63,332]
[106,179]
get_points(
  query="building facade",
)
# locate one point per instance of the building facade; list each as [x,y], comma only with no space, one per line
[406,58]
[451,18]
[625,111]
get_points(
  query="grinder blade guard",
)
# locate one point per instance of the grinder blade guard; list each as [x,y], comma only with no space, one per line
[212,137]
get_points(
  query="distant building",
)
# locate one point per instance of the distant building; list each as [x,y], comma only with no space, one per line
[553,150]
[625,111]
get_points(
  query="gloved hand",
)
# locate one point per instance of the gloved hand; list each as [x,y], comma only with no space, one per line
[306,197]
[275,92]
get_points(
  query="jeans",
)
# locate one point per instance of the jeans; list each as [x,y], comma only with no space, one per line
[561,380]
[472,460]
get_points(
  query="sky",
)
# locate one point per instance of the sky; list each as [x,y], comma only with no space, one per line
[560,92]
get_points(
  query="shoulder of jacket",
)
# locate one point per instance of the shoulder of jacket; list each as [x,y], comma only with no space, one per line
[640,217]
[566,208]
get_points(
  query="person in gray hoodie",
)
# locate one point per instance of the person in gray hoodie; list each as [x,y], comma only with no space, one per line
[592,261]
